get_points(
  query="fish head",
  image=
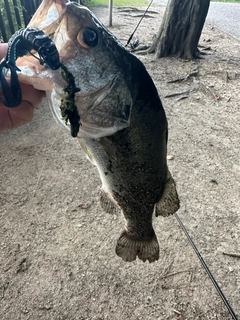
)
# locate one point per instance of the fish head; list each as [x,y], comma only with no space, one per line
[95,58]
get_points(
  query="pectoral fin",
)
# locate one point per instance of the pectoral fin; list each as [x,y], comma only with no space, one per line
[169,202]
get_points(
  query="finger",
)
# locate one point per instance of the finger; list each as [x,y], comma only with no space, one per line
[31,95]
[3,50]
[15,117]
[21,115]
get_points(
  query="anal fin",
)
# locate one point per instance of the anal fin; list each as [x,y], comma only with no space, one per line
[169,202]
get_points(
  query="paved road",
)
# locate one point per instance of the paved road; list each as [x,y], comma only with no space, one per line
[223,15]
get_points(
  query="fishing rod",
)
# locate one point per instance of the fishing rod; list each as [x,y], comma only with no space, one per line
[130,38]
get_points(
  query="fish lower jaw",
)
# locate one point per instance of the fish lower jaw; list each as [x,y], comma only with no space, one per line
[129,249]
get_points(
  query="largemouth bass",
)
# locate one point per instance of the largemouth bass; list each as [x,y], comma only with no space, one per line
[123,129]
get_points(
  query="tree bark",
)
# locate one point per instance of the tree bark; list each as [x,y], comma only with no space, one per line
[181,29]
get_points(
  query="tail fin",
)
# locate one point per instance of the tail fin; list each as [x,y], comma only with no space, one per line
[128,249]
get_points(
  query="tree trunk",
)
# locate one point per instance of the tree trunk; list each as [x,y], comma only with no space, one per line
[181,29]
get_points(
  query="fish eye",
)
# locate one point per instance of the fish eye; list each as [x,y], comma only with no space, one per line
[88,38]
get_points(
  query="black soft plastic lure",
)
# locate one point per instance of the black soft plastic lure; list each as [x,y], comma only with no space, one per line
[22,42]
[68,108]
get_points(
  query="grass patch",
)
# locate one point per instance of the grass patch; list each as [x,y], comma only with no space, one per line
[117,3]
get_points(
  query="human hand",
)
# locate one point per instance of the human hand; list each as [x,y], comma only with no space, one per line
[14,117]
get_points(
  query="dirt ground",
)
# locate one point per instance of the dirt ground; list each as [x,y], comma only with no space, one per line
[57,246]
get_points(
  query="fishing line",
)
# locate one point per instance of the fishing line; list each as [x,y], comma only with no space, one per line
[130,38]
[224,299]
